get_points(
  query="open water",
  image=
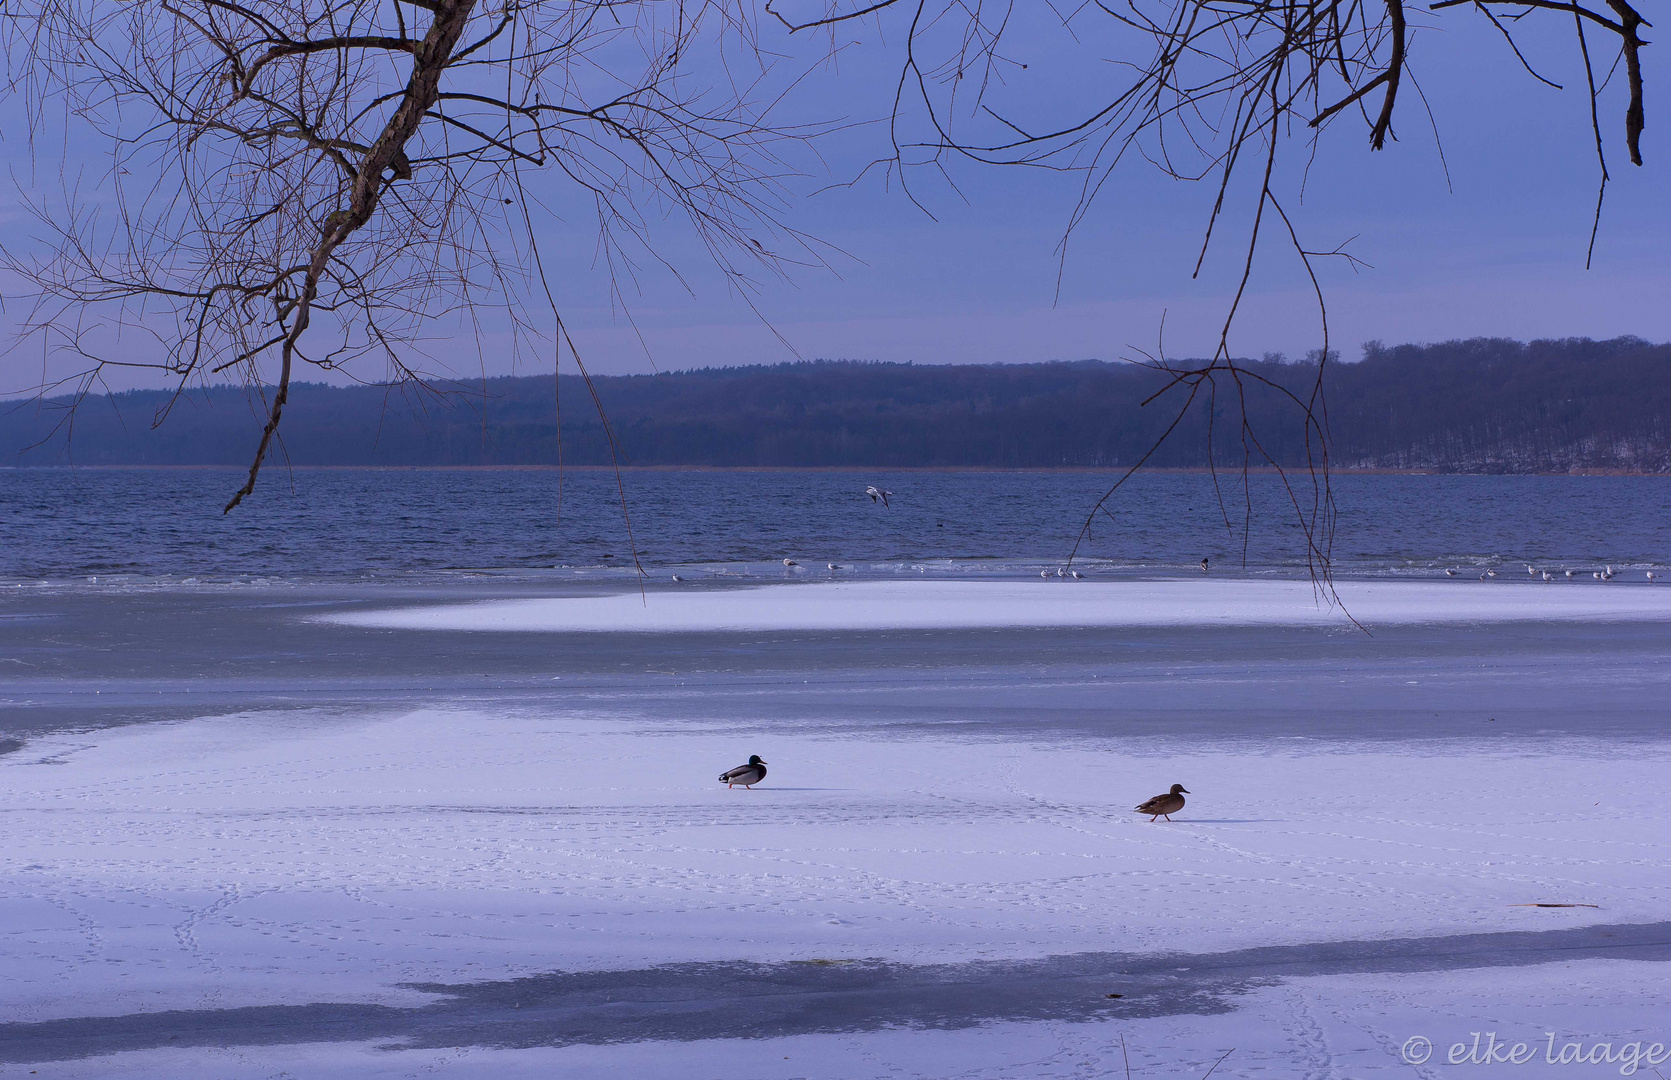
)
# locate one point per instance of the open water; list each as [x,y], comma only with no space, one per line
[165,525]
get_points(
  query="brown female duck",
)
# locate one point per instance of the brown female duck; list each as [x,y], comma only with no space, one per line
[1162,806]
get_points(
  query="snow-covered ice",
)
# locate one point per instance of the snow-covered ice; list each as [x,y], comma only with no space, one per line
[941,875]
[946,605]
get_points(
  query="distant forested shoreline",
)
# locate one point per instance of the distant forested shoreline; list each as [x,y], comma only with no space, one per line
[1479,406]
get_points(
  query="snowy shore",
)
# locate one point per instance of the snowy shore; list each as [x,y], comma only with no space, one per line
[941,875]
[966,605]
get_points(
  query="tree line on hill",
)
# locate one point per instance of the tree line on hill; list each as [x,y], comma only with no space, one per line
[1482,405]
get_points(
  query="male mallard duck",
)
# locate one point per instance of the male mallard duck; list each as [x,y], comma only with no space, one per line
[752,773]
[1161,805]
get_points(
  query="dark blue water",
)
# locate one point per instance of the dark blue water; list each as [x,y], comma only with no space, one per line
[140,525]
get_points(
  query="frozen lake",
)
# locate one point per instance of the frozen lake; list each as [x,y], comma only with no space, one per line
[473,830]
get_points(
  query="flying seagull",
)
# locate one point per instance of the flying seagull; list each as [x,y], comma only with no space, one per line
[835,566]
[746,775]
[790,562]
[1450,573]
[676,577]
[878,493]
[1162,806]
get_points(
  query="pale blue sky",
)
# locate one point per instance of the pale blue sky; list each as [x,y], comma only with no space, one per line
[1498,252]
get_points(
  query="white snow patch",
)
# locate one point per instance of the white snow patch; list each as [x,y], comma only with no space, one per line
[939,605]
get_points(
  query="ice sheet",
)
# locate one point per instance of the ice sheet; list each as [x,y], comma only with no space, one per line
[232,861]
[1347,1026]
[927,806]
[939,605]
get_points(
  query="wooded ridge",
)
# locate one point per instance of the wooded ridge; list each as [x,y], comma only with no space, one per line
[1482,405]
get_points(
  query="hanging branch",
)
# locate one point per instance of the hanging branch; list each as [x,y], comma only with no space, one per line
[326,183]
[1212,93]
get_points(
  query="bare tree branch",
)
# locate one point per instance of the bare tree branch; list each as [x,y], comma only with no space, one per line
[318,183]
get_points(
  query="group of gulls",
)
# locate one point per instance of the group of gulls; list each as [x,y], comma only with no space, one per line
[1605,574]
[881,495]
[1161,806]
[790,565]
